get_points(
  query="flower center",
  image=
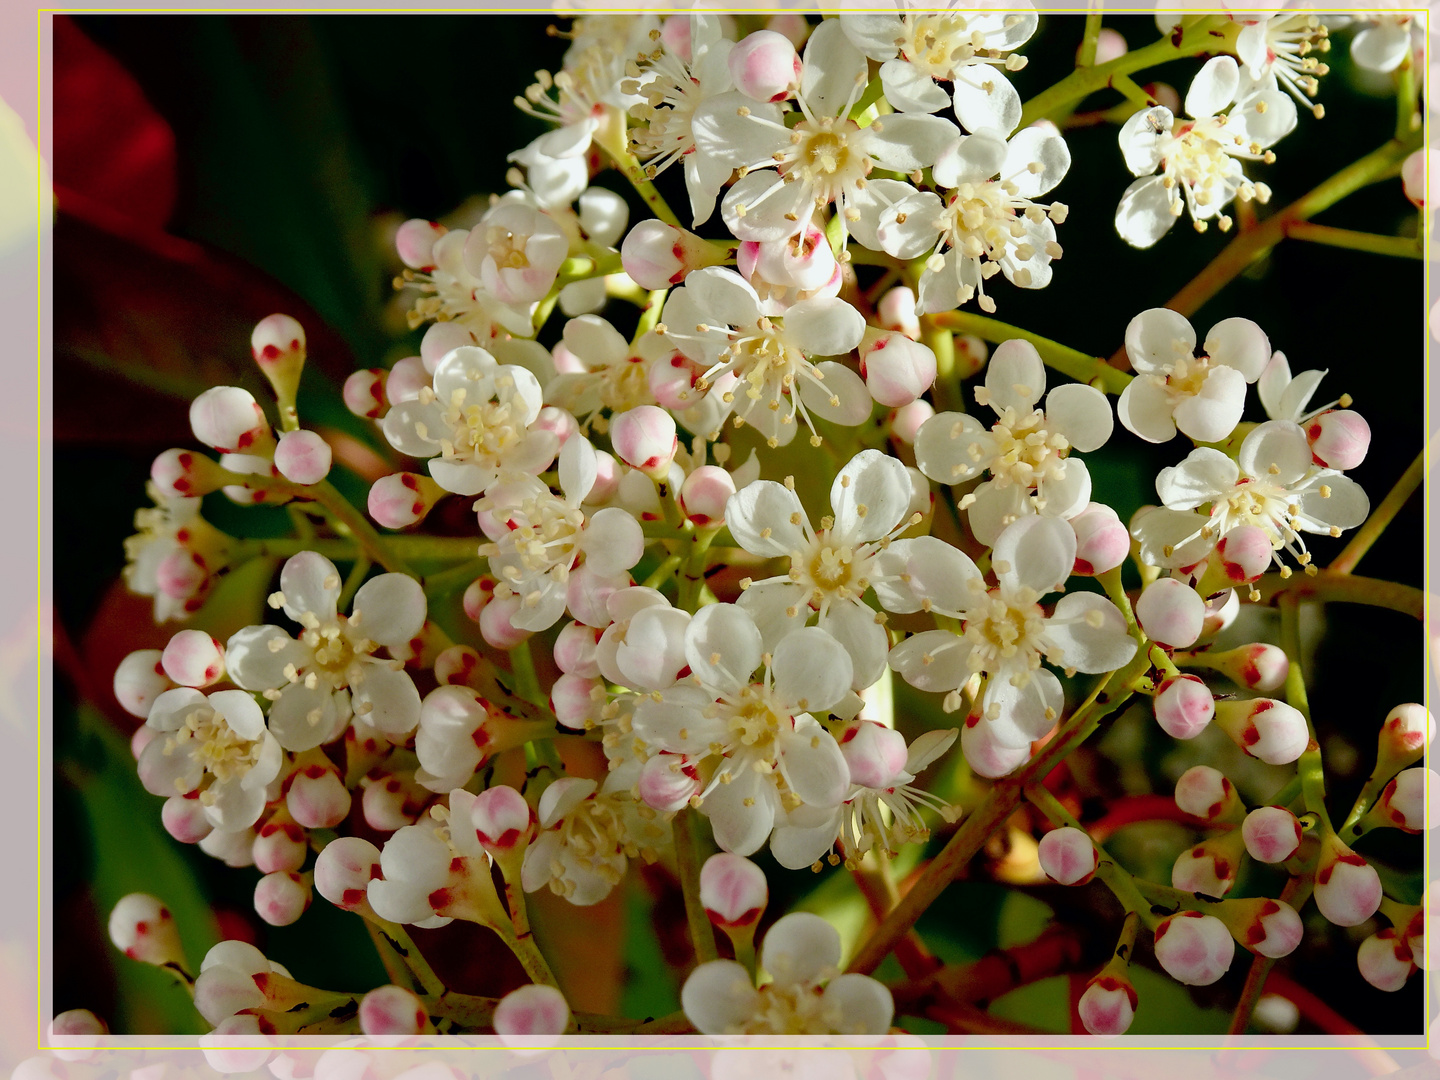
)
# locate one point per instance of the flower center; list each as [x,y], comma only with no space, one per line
[1026,450]
[211,741]
[939,45]
[788,1010]
[828,156]
[1187,375]
[482,431]
[594,834]
[754,722]
[1004,632]
[507,248]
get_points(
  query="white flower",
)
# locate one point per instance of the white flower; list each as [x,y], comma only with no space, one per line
[755,744]
[612,375]
[477,419]
[1274,485]
[433,872]
[807,995]
[1288,398]
[586,839]
[1199,160]
[823,159]
[516,251]
[1026,451]
[215,744]
[1203,396]
[1278,50]
[450,293]
[830,570]
[1006,632]
[174,556]
[988,223]
[1384,41]
[760,367]
[315,681]
[538,536]
[785,272]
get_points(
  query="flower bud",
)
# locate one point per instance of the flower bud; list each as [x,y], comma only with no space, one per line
[971,354]
[1339,439]
[477,594]
[656,255]
[1194,949]
[644,438]
[279,846]
[302,457]
[672,380]
[1171,613]
[906,421]
[1068,856]
[1412,174]
[456,664]
[281,898]
[1205,793]
[1209,868]
[344,869]
[1385,961]
[229,419]
[75,1035]
[1268,927]
[402,499]
[897,311]
[1347,888]
[193,658]
[186,474]
[607,479]
[1101,540]
[364,393]
[1257,666]
[143,929]
[1403,804]
[1220,612]
[896,369]
[733,890]
[576,700]
[184,818]
[140,739]
[408,376]
[875,754]
[502,819]
[803,262]
[390,802]
[237,1044]
[985,756]
[1241,556]
[587,592]
[278,345]
[139,680]
[574,650]
[704,493]
[415,243]
[495,625]
[1271,833]
[1184,706]
[558,422]
[392,1010]
[1403,737]
[534,1010]
[668,782]
[317,799]
[765,66]
[1264,728]
[1108,1005]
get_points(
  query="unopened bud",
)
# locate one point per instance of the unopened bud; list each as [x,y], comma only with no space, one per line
[672,380]
[875,754]
[408,376]
[1257,666]
[402,499]
[1407,730]
[139,680]
[193,658]
[668,782]
[281,898]
[704,494]
[1412,174]
[495,625]
[1385,961]
[75,1035]
[896,369]
[344,869]
[558,422]
[1171,613]
[1271,833]
[1403,803]
[1205,793]
[1209,868]
[1108,1005]
[986,756]
[364,393]
[576,700]
[502,819]
[1339,439]
[1194,949]
[456,664]
[531,1011]
[574,650]
[1347,888]
[971,355]
[906,421]
[765,66]
[733,890]
[392,1010]
[317,798]
[656,255]
[644,438]
[1264,728]
[1241,556]
[302,457]
[1268,927]
[229,419]
[415,243]
[477,594]
[186,474]
[1184,706]
[1101,540]
[804,262]
[278,345]
[1068,856]
[1109,45]
[279,846]
[897,311]
[184,818]
[143,929]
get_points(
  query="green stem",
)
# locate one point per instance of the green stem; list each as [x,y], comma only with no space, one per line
[453,579]
[687,859]
[1405,247]
[530,957]
[1134,95]
[612,141]
[353,580]
[1072,362]
[527,682]
[1088,43]
[664,572]
[1407,89]
[1380,517]
[348,521]
[401,957]
[1345,589]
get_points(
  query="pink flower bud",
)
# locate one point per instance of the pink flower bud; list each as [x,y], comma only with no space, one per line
[1101,540]
[279,846]
[733,890]
[1220,612]
[1208,868]
[792,25]
[574,650]
[1339,439]
[558,422]
[576,700]
[1110,45]
[897,311]
[229,419]
[906,421]
[804,262]
[1347,888]
[1257,666]
[238,1044]
[1406,732]
[415,243]
[1268,927]
[407,378]
[971,354]
[139,680]
[704,494]
[588,592]
[1385,961]
[456,664]
[1171,613]
[672,380]
[1068,856]
[1403,800]
[317,799]
[1264,728]
[390,802]
[668,782]
[1412,174]
[1194,949]
[897,370]
[402,499]
[184,818]
[392,1010]
[1271,833]
[140,739]
[185,474]
[644,438]
[180,575]
[875,754]
[344,869]
[986,756]
[364,393]
[675,36]
[278,341]
[442,338]
[193,658]
[1205,793]
[1184,706]
[765,66]
[1241,556]
[302,457]
[657,256]
[502,819]
[477,594]
[75,1035]
[1108,1005]
[495,625]
[281,898]
[608,474]
[535,1010]
[143,929]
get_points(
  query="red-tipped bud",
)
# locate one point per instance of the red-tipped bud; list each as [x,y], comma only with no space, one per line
[1184,706]
[278,345]
[896,369]
[193,658]
[1403,737]
[1194,949]
[415,243]
[765,66]
[1402,803]
[576,700]
[184,818]
[558,422]
[971,355]
[1171,613]
[875,754]
[574,650]
[1101,540]
[1385,961]
[672,380]
[281,898]
[392,1010]
[302,457]
[229,419]
[1209,868]
[344,869]
[364,393]
[1108,1005]
[139,680]
[495,625]
[455,665]
[1347,888]
[402,499]
[75,1035]
[317,798]
[1339,439]
[502,819]
[657,256]
[704,494]
[477,594]
[279,846]
[1205,793]
[1271,833]
[1257,666]
[143,929]
[985,756]
[1264,728]
[1241,556]
[1268,927]
[906,421]
[733,890]
[644,438]
[530,1012]
[897,311]
[1068,856]
[186,474]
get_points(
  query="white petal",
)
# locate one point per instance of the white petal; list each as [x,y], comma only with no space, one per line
[1264,118]
[995,508]
[985,755]
[725,135]
[853,625]
[800,948]
[1203,476]
[1211,415]
[613,540]
[719,997]
[1277,451]
[1088,633]
[240,712]
[1143,215]
[704,177]
[561,797]
[253,664]
[1346,506]
[655,648]
[1296,399]
[1144,409]
[1382,47]
[952,447]
[760,207]
[1272,385]
[832,67]
[812,764]
[825,326]
[972,159]
[905,142]
[1025,713]
[595,341]
[943,574]
[769,604]
[933,660]
[869,496]
[1158,337]
[302,718]
[984,98]
[234,806]
[760,515]
[797,848]
[870,202]
[1036,145]
[1143,139]
[1160,528]
[392,700]
[877,36]
[1240,344]
[1065,495]
[578,469]
[723,296]
[860,1004]
[1082,414]
[389,609]
[842,397]
[906,229]
[909,90]
[1213,87]
[310,583]
[461,477]
[739,828]
[723,647]
[1035,552]
[1016,376]
[812,670]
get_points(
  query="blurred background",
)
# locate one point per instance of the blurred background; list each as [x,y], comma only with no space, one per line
[211,170]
